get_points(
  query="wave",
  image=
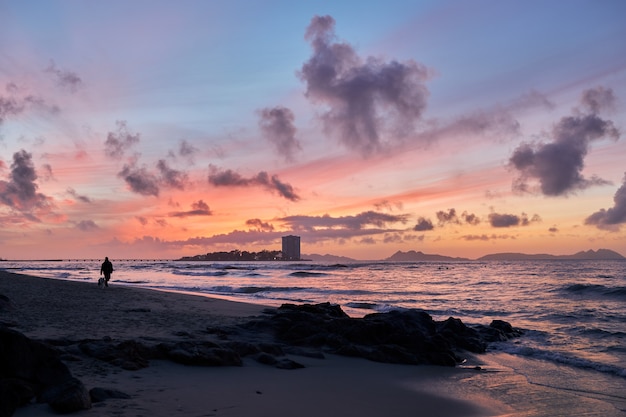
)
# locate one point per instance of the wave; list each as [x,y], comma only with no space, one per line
[203,273]
[304,274]
[596,290]
[559,358]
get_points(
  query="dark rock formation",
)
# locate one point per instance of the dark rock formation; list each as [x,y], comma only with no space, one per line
[31,369]
[200,354]
[130,355]
[400,336]
[67,397]
[99,395]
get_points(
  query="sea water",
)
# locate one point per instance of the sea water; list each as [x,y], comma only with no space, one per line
[573,312]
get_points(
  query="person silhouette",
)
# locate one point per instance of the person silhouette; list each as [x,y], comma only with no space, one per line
[107,270]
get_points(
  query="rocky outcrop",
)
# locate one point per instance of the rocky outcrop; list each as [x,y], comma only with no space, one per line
[400,336]
[33,370]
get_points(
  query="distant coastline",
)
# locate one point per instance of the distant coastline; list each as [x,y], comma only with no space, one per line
[399,256]
[410,256]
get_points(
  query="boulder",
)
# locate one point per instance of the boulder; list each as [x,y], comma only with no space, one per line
[31,369]
[67,397]
[99,395]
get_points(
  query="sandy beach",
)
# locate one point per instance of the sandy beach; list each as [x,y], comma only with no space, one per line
[53,310]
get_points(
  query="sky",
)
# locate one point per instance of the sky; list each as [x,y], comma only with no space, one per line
[161,129]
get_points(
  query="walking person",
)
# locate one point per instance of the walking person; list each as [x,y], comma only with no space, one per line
[107,270]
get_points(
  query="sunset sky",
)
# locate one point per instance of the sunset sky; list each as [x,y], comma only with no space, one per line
[160,129]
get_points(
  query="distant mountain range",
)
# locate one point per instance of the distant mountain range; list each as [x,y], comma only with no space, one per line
[413,256]
[591,255]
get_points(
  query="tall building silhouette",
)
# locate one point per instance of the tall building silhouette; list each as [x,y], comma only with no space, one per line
[291,248]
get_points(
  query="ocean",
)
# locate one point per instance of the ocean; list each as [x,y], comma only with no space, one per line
[573,312]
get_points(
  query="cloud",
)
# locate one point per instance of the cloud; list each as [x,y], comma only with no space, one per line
[170,177]
[598,99]
[9,106]
[230,178]
[277,125]
[509,220]
[15,103]
[64,78]
[423,225]
[357,222]
[199,208]
[486,237]
[78,197]
[610,219]
[118,142]
[367,102]
[558,165]
[450,216]
[140,180]
[187,150]
[20,192]
[86,225]
[259,225]
[470,218]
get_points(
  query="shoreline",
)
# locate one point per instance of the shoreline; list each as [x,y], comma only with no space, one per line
[51,310]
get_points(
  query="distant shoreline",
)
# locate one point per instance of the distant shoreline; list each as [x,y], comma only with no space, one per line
[410,256]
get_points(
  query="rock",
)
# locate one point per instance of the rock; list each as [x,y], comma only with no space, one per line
[31,369]
[266,359]
[201,354]
[289,364]
[399,336]
[130,355]
[98,395]
[68,397]
[14,393]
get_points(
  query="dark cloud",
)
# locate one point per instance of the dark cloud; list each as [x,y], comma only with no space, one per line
[142,220]
[277,125]
[9,106]
[357,222]
[86,225]
[140,180]
[230,178]
[257,224]
[367,101]
[187,150]
[199,208]
[20,191]
[78,197]
[598,99]
[170,177]
[423,225]
[509,220]
[470,218]
[558,165]
[444,217]
[118,142]
[553,229]
[64,78]
[612,218]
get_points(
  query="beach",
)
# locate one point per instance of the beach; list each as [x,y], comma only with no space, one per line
[47,309]
[68,314]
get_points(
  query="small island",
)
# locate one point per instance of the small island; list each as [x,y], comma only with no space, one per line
[237,255]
